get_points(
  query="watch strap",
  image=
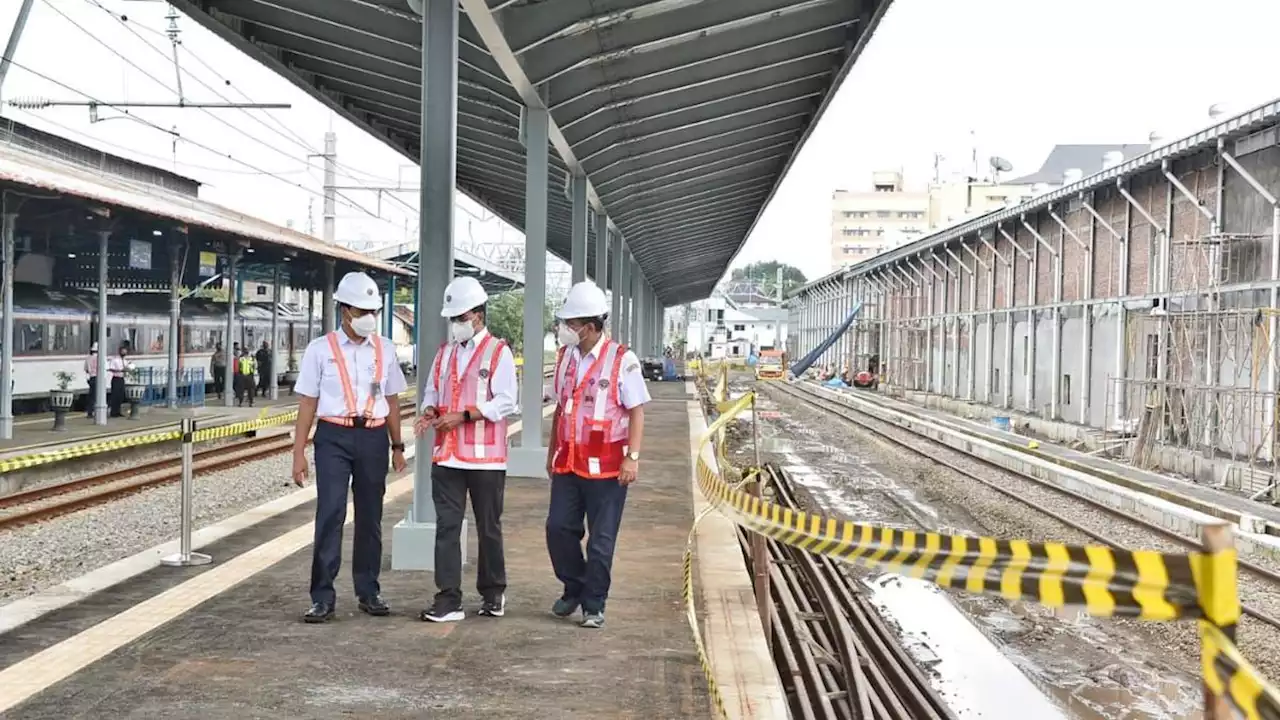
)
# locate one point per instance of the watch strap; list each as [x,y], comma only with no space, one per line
[397,447]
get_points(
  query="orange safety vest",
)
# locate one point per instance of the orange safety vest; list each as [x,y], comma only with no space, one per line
[591,435]
[478,441]
[348,390]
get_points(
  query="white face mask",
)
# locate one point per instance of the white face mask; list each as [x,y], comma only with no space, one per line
[365,325]
[568,337]
[461,331]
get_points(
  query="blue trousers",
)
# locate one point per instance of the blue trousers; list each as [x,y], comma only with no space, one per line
[359,457]
[600,503]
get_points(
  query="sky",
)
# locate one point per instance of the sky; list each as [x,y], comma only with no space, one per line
[1009,77]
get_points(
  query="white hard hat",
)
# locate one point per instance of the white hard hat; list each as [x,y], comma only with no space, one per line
[584,300]
[359,291]
[461,295]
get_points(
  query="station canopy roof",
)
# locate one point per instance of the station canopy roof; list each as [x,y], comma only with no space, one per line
[684,114]
[492,277]
[61,205]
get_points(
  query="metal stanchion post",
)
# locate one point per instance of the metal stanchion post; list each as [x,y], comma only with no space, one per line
[759,551]
[184,556]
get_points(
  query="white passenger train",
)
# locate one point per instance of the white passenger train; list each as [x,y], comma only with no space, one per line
[53,330]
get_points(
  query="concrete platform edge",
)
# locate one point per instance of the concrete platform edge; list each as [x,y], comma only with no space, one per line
[739,656]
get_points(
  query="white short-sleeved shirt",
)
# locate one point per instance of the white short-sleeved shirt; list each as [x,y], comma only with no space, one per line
[318,375]
[633,390]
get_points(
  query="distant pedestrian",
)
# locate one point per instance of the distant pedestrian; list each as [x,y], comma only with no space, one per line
[218,366]
[117,366]
[245,368]
[263,358]
[91,374]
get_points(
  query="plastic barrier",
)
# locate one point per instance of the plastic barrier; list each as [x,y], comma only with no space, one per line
[1103,581]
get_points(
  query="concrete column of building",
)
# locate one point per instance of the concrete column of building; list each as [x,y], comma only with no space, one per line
[413,539]
[273,350]
[175,314]
[578,228]
[1030,359]
[100,390]
[328,312]
[9,238]
[311,316]
[530,458]
[637,302]
[615,285]
[228,383]
[602,251]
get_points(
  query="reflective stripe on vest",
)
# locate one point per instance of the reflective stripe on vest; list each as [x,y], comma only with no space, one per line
[348,390]
[592,432]
[246,366]
[478,441]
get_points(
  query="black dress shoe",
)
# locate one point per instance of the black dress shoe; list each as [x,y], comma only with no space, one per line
[318,613]
[375,606]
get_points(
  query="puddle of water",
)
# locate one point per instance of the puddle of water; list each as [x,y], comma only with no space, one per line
[977,680]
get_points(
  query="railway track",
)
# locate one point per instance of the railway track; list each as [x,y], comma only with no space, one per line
[50,501]
[836,656]
[937,453]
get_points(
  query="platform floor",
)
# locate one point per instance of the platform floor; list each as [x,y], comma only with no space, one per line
[1158,482]
[226,641]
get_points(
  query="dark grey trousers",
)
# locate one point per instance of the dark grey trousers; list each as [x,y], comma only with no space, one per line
[359,457]
[449,490]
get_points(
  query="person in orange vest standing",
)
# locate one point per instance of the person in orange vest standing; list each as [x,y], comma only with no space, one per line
[350,380]
[470,392]
[594,455]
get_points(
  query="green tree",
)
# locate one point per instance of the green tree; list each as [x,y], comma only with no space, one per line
[765,274]
[505,318]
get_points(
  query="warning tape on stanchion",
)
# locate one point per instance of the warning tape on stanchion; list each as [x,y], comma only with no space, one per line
[1104,581]
[1226,672]
[102,446]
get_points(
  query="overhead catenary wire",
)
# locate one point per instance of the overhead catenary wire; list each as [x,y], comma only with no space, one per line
[288,134]
[166,86]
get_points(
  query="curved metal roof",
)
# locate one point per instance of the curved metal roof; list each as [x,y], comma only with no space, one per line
[683,114]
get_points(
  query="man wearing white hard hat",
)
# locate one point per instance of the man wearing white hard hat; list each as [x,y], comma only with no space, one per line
[594,454]
[468,395]
[349,379]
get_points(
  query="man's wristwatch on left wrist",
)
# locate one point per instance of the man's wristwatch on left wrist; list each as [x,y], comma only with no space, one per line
[633,456]
[397,447]
[466,415]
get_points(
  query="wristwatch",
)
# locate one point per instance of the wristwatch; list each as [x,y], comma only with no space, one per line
[397,447]
[466,415]
[633,456]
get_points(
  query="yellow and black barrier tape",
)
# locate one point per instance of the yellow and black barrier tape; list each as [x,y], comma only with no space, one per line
[1104,581]
[101,446]
[1226,672]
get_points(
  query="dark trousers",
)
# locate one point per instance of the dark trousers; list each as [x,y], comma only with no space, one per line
[219,378]
[264,377]
[600,502]
[449,490]
[93,395]
[116,395]
[244,388]
[359,456]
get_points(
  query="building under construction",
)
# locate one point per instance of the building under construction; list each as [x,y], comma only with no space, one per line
[1134,310]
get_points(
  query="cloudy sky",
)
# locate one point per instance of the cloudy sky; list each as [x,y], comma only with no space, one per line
[1011,77]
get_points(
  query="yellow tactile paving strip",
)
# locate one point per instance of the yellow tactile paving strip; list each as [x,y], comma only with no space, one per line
[24,679]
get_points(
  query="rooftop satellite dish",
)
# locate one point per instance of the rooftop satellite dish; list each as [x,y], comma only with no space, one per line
[999,165]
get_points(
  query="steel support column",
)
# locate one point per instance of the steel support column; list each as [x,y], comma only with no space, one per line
[602,251]
[273,350]
[625,291]
[9,238]
[328,320]
[530,458]
[175,314]
[615,286]
[578,228]
[389,310]
[100,390]
[413,539]
[228,381]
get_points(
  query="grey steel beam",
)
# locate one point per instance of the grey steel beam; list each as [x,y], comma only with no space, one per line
[175,315]
[233,363]
[602,250]
[619,259]
[8,236]
[531,458]
[100,390]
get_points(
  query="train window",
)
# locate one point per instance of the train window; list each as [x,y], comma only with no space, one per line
[29,338]
[155,341]
[65,338]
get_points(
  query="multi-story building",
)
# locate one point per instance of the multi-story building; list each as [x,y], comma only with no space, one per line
[863,223]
